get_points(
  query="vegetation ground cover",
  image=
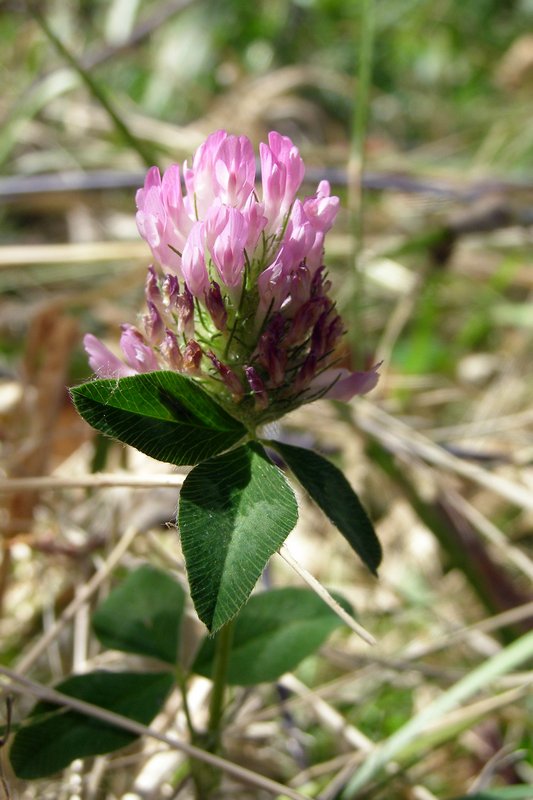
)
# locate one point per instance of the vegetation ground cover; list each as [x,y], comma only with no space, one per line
[440,452]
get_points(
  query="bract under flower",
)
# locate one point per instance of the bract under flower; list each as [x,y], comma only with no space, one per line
[240,297]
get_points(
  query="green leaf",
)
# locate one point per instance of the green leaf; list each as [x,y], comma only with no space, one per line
[274,632]
[235,511]
[164,414]
[143,615]
[331,491]
[46,745]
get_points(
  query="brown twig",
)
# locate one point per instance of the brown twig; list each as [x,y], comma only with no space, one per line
[15,187]
[22,685]
[98,481]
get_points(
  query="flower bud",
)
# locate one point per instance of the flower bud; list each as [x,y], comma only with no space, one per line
[171,351]
[300,286]
[192,356]
[229,377]
[306,373]
[282,171]
[321,210]
[258,389]
[272,354]
[153,324]
[319,286]
[226,235]
[185,304]
[275,362]
[235,170]
[334,333]
[170,291]
[319,337]
[256,221]
[151,287]
[193,261]
[139,356]
[162,218]
[215,305]
[304,320]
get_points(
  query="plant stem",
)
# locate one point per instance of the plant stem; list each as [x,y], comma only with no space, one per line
[360,124]
[206,778]
[220,671]
[182,683]
[94,88]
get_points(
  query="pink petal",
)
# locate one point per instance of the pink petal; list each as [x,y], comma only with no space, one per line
[226,237]
[139,355]
[298,239]
[274,285]
[103,361]
[287,153]
[321,209]
[235,170]
[282,172]
[193,261]
[346,384]
[162,219]
[200,179]
[275,281]
[255,217]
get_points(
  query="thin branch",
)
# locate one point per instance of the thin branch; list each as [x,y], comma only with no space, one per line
[510,617]
[356,165]
[70,253]
[401,438]
[80,599]
[93,86]
[491,533]
[22,685]
[325,596]
[142,31]
[96,481]
[327,715]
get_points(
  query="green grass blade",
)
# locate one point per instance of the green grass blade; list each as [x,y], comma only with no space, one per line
[505,661]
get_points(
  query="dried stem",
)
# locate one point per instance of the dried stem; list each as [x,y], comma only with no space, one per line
[20,685]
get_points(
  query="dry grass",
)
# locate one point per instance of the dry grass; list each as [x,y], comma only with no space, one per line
[441,453]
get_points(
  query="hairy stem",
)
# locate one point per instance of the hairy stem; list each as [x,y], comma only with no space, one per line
[206,780]
[220,671]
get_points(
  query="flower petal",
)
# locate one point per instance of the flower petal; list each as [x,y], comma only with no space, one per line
[103,361]
[345,384]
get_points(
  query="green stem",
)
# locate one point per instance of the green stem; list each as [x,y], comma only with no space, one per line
[357,159]
[220,673]
[207,778]
[182,683]
[360,122]
[94,88]
[239,309]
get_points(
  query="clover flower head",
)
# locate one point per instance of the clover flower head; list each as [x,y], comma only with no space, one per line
[238,297]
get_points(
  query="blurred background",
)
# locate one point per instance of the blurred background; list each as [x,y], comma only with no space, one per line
[419,114]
